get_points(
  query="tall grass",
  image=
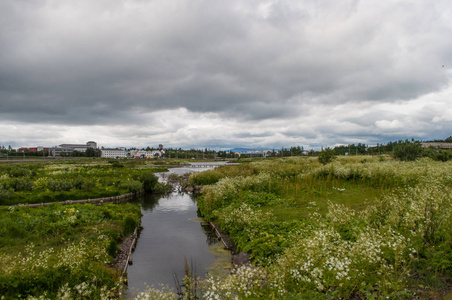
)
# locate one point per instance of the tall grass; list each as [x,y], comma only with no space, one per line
[357,228]
[62,252]
[36,183]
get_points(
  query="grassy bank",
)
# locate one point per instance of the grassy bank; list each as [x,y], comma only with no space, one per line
[66,251]
[362,227]
[59,181]
[63,252]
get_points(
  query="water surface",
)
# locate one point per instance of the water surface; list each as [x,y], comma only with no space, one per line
[172,233]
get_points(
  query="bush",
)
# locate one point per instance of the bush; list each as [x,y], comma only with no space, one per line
[443,155]
[162,187]
[57,185]
[408,151]
[149,180]
[133,186]
[19,172]
[206,178]
[117,164]
[5,193]
[128,225]
[21,184]
[326,156]
[112,248]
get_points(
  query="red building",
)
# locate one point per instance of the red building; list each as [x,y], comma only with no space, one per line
[33,149]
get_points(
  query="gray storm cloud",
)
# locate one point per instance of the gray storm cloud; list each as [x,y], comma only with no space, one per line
[271,64]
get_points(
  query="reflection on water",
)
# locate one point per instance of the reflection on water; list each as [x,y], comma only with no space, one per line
[180,204]
[171,234]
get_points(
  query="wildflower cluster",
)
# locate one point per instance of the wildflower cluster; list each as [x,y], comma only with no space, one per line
[65,245]
[244,281]
[84,290]
[161,293]
[227,189]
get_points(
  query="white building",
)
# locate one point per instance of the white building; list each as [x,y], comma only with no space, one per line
[113,152]
[145,154]
[438,145]
[79,147]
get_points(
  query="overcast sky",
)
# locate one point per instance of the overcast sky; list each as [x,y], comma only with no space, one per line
[220,74]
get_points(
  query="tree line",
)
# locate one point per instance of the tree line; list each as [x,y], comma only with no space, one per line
[392,147]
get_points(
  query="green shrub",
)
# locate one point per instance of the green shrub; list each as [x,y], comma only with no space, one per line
[408,151]
[19,172]
[112,247]
[88,185]
[326,156]
[128,225]
[162,187]
[443,155]
[57,185]
[206,177]
[117,164]
[5,193]
[133,186]
[78,182]
[149,180]
[21,184]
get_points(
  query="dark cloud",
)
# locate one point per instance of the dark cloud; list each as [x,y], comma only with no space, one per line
[260,63]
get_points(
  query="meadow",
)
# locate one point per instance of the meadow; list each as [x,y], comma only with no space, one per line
[358,228]
[63,251]
[60,181]
[363,227]
[67,251]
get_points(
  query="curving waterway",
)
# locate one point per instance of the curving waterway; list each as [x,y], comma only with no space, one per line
[172,233]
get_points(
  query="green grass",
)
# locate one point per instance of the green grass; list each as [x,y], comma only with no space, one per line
[361,227]
[60,181]
[46,250]
[299,203]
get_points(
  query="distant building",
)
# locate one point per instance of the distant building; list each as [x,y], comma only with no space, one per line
[267,153]
[113,152]
[135,153]
[438,145]
[252,153]
[145,154]
[33,149]
[79,147]
[65,149]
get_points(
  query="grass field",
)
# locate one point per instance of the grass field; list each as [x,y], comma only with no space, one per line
[69,180]
[64,251]
[361,227]
[358,228]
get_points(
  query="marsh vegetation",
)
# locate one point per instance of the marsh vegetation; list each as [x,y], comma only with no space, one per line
[66,251]
[361,228]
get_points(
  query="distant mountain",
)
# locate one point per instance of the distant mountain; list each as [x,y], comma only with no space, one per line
[246,149]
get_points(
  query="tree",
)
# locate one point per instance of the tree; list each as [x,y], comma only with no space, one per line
[408,151]
[90,152]
[326,156]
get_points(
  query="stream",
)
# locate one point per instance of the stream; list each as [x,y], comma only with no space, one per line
[172,233]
